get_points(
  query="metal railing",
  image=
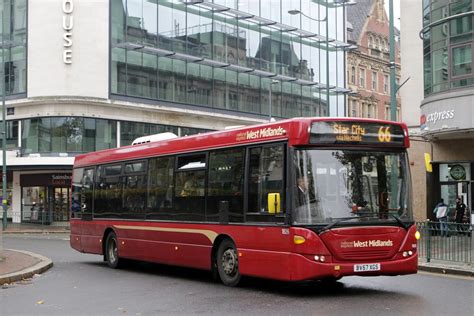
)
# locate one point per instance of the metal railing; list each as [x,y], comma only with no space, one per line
[445,241]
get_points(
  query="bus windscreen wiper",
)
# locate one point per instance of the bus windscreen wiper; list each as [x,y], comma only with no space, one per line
[402,224]
[340,220]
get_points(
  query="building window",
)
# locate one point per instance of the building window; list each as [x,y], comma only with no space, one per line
[362,77]
[132,130]
[374,80]
[385,83]
[67,135]
[14,28]
[462,60]
[354,106]
[447,47]
[353,75]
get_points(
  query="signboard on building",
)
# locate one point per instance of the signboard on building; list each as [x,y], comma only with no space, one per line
[50,179]
[447,115]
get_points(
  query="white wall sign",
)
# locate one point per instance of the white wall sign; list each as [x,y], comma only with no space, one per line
[68,24]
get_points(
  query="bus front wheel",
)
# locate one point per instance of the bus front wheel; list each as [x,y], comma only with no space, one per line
[111,252]
[228,263]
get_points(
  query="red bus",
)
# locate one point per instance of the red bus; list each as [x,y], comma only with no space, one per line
[293,200]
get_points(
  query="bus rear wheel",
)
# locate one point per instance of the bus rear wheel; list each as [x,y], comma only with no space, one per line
[228,263]
[111,251]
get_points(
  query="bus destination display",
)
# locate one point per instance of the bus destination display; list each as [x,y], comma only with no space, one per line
[356,133]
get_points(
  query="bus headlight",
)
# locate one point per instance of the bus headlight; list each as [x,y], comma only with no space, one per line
[319,258]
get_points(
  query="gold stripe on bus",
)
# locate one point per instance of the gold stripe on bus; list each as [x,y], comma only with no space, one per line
[208,233]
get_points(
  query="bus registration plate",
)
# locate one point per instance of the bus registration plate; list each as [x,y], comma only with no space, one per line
[366,267]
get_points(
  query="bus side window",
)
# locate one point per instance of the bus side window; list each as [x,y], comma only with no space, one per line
[108,192]
[160,188]
[225,188]
[134,190]
[87,193]
[77,192]
[266,176]
[189,194]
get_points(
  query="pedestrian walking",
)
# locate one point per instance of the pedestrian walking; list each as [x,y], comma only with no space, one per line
[441,211]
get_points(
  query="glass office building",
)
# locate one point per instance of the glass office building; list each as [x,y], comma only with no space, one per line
[448,50]
[82,76]
[447,110]
[13,44]
[231,55]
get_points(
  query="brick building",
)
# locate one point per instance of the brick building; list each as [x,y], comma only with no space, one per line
[368,69]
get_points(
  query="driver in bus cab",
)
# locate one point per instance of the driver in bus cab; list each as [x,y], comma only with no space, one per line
[302,191]
[307,208]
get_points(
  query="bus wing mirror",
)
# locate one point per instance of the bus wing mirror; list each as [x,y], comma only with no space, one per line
[274,203]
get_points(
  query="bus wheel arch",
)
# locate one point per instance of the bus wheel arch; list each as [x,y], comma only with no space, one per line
[225,261]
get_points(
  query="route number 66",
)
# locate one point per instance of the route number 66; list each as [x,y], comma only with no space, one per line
[384,134]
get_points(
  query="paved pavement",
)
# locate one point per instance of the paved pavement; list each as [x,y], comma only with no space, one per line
[16,265]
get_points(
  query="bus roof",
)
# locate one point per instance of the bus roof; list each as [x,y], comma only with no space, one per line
[296,131]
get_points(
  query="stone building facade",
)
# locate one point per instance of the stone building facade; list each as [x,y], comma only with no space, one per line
[368,68]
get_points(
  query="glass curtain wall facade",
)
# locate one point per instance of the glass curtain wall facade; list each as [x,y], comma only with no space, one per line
[173,38]
[52,136]
[448,45]
[67,135]
[13,43]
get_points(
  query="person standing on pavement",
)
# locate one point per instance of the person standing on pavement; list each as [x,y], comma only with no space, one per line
[460,210]
[441,211]
[459,216]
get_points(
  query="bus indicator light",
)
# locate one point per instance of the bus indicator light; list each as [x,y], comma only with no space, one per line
[298,240]
[417,235]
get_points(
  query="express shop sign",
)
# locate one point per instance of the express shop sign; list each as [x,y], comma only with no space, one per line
[433,118]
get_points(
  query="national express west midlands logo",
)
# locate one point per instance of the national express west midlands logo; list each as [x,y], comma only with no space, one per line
[434,117]
[261,133]
[367,243]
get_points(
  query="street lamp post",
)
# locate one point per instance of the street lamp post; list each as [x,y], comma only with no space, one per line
[393,102]
[4,133]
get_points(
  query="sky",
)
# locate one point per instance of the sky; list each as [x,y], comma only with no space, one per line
[396,12]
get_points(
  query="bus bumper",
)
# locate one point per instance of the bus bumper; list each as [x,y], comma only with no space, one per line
[306,269]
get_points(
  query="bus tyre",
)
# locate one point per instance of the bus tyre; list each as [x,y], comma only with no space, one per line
[111,252]
[228,263]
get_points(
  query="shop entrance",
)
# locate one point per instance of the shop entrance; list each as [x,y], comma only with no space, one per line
[45,198]
[451,190]
[43,205]
[60,204]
